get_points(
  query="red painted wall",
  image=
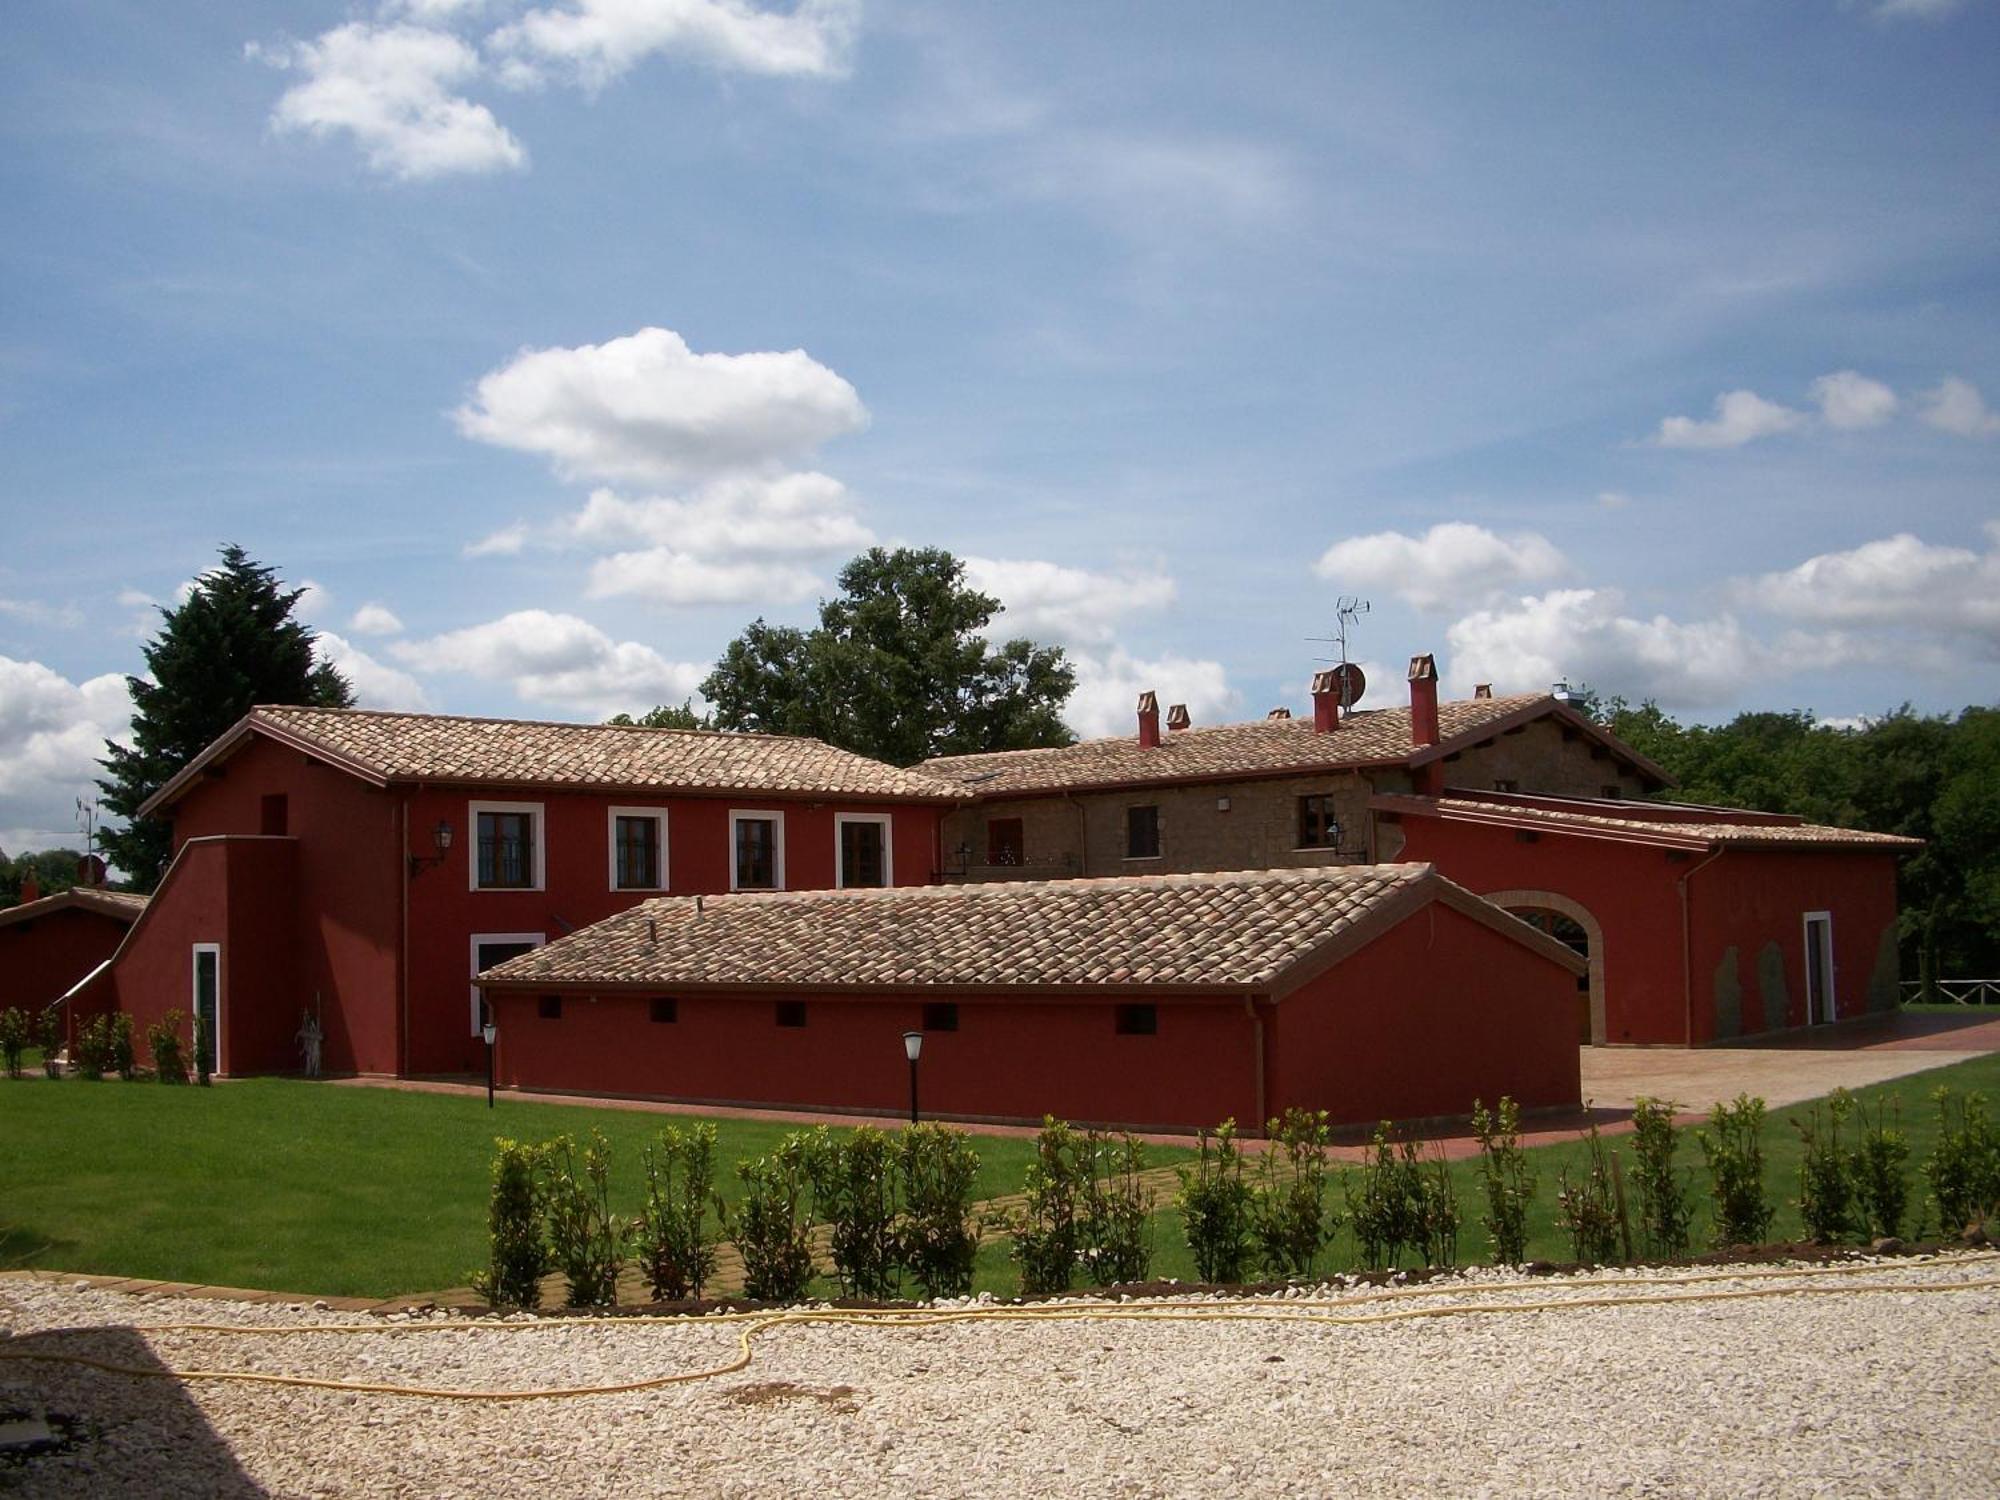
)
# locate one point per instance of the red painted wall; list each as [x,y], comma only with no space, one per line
[43,956]
[1746,899]
[1752,901]
[1435,1013]
[445,914]
[342,929]
[345,928]
[238,893]
[1009,1059]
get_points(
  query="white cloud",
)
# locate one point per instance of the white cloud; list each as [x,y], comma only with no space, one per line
[1956,405]
[1740,417]
[557,659]
[1451,565]
[1048,602]
[375,619]
[376,684]
[1614,500]
[505,542]
[792,515]
[1108,685]
[1585,636]
[315,602]
[1899,581]
[52,732]
[666,576]
[646,408]
[1918,10]
[593,42]
[34,612]
[392,89]
[1849,400]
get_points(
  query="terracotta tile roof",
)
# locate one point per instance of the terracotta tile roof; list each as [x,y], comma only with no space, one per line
[1635,825]
[1227,931]
[123,905]
[1266,747]
[406,747]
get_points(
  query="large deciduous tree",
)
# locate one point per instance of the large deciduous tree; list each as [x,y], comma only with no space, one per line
[232,644]
[899,668]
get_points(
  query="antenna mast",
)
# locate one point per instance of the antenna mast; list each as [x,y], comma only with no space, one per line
[1347,609]
[86,820]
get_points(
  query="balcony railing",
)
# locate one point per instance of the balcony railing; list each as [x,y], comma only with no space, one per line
[1953,992]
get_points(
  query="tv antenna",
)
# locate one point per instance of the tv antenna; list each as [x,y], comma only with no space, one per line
[86,820]
[1352,682]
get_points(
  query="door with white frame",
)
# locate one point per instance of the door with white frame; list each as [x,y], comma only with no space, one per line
[205,1003]
[490,948]
[1819,968]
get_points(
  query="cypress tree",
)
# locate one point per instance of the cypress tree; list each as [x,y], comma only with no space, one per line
[231,645]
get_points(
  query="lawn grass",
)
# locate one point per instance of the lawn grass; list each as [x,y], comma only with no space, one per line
[296,1186]
[1912,1095]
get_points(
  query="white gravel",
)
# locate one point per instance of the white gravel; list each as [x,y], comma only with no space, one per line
[1852,1395]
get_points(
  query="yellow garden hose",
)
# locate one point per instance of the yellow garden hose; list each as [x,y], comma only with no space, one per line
[749,1325]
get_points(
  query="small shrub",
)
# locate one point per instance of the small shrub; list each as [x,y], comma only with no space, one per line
[854,1195]
[1881,1181]
[1113,1243]
[671,1239]
[48,1036]
[93,1047]
[1665,1209]
[1826,1170]
[163,1040]
[1587,1209]
[1964,1166]
[1507,1177]
[1290,1217]
[771,1228]
[1733,1149]
[13,1039]
[1045,1231]
[518,1255]
[1382,1211]
[1435,1208]
[1215,1207]
[939,1244]
[583,1237]
[204,1046]
[122,1058]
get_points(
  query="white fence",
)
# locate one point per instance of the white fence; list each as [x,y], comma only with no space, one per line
[1955,991]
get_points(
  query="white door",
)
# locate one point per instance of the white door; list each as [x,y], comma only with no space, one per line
[490,948]
[1819,968]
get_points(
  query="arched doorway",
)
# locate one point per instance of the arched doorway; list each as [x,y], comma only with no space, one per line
[1570,923]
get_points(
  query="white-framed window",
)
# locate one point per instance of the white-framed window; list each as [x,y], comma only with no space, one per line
[490,948]
[863,850]
[638,848]
[756,850]
[508,852]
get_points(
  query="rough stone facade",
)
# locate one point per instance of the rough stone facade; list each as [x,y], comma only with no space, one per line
[1544,758]
[1085,834]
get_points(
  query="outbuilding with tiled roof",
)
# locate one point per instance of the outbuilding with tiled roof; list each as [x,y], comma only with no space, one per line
[1172,1001]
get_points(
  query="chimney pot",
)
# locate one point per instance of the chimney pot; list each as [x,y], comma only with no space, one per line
[1482,690]
[1279,713]
[1423,701]
[31,888]
[1177,717]
[1326,701]
[1149,720]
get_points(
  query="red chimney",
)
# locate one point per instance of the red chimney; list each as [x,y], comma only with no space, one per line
[1326,701]
[31,888]
[1149,720]
[1423,701]
[1482,690]
[1177,717]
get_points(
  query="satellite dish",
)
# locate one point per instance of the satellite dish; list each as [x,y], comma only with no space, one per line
[1351,681]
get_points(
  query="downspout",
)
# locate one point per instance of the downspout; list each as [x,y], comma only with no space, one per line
[1257,1057]
[1687,944]
[403,943]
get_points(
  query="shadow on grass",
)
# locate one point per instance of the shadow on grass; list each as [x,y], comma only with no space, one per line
[21,1248]
[92,1432]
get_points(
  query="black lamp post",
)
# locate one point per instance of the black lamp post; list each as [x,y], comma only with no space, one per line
[441,841]
[913,1046]
[491,1032]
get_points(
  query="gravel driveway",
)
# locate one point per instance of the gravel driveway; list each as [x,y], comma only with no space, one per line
[1851,1393]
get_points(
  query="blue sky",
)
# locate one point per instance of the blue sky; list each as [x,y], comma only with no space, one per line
[1648,346]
